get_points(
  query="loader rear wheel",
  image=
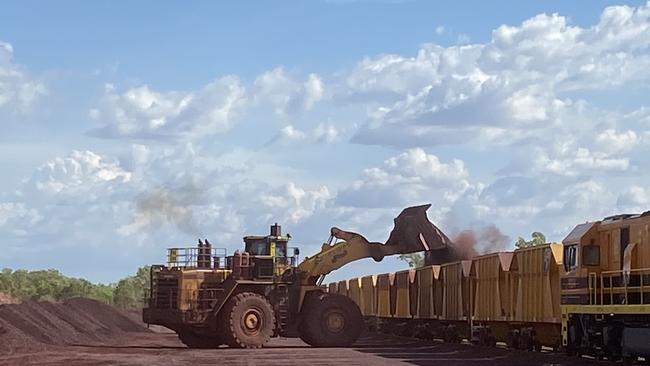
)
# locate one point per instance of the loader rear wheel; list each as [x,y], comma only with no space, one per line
[248,321]
[331,320]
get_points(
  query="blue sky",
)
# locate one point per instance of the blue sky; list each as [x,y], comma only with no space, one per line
[127,128]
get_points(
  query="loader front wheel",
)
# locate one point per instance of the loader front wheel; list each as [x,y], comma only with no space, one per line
[248,321]
[331,320]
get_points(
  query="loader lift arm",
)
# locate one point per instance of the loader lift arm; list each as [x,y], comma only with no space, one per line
[413,232]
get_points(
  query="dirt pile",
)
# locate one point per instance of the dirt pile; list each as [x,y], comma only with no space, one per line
[32,325]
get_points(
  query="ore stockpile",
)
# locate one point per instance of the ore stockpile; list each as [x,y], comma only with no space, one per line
[33,326]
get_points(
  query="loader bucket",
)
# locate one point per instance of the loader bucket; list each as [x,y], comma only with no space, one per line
[414,232]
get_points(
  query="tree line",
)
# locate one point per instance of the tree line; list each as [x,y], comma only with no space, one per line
[52,285]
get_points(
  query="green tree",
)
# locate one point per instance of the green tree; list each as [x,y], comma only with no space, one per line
[537,238]
[130,291]
[414,260]
[51,285]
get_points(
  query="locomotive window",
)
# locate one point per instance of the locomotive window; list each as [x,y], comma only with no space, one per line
[570,257]
[591,255]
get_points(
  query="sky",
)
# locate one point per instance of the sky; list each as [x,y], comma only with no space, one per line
[130,127]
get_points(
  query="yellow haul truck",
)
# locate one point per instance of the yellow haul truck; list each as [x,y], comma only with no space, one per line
[210,299]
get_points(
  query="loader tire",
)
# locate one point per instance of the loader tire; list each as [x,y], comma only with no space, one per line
[331,320]
[247,321]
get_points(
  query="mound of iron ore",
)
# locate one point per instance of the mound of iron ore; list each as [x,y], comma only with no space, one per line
[32,326]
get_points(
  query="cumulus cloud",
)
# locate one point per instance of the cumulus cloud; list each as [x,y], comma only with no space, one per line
[16,218]
[617,142]
[574,162]
[144,113]
[18,90]
[412,176]
[76,174]
[323,133]
[286,94]
[516,81]
[636,198]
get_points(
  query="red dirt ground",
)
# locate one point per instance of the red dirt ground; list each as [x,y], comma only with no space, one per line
[85,332]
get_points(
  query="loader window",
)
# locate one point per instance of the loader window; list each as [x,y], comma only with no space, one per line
[258,247]
[570,257]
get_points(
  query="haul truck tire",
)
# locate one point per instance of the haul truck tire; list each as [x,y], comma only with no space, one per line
[331,320]
[247,321]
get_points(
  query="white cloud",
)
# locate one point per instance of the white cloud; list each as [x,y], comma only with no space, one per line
[515,81]
[76,174]
[285,94]
[145,113]
[635,198]
[325,133]
[572,162]
[292,203]
[440,29]
[18,91]
[410,177]
[17,219]
[615,142]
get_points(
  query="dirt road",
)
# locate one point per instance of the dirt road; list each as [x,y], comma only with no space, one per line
[165,349]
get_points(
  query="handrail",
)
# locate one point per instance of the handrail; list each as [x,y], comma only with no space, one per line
[625,288]
[195,257]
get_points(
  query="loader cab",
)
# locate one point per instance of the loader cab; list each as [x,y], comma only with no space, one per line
[270,255]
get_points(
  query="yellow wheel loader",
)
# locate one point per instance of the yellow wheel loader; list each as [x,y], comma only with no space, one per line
[210,299]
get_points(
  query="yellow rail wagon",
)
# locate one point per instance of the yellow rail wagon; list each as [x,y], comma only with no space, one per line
[369,296]
[342,288]
[455,302]
[428,288]
[383,285]
[333,288]
[537,315]
[354,292]
[403,293]
[606,288]
[494,298]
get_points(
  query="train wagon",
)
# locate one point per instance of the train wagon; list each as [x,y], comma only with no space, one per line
[493,298]
[428,288]
[382,290]
[342,288]
[403,294]
[537,315]
[368,296]
[354,291]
